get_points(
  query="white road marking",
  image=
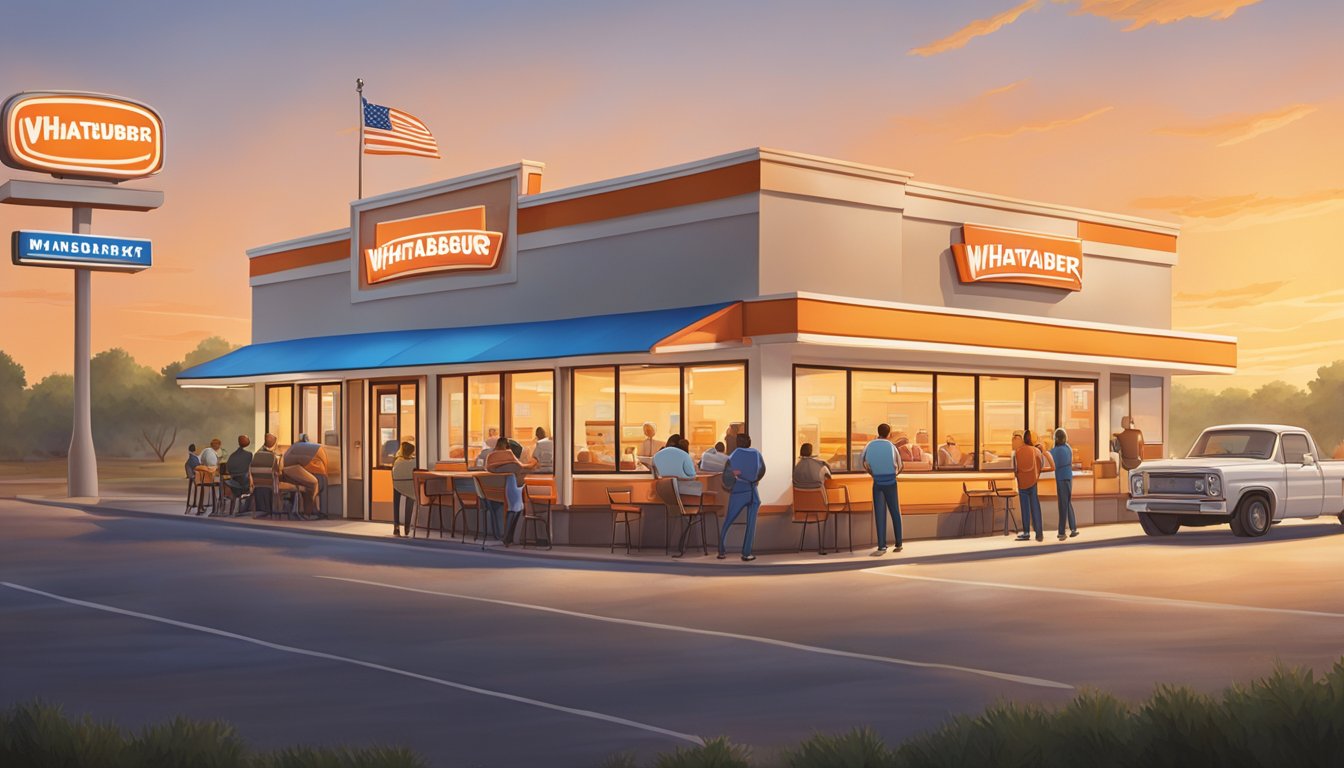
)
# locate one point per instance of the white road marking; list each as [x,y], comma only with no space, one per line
[1023,679]
[1119,596]
[367,664]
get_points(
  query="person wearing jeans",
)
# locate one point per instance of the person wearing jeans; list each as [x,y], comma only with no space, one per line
[1028,464]
[1062,456]
[744,470]
[883,462]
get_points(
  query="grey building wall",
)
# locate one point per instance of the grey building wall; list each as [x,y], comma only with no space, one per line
[701,262]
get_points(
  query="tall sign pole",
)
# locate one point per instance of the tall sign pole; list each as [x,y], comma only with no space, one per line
[106,139]
[82,462]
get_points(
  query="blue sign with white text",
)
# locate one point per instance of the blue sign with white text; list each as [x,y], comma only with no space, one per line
[63,249]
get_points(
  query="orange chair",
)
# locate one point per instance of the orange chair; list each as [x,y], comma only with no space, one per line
[539,498]
[624,512]
[978,500]
[810,508]
[665,490]
[1007,492]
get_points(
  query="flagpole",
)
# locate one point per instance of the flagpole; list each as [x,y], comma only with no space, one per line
[359,89]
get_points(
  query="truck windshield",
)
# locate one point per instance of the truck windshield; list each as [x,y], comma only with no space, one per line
[1234,443]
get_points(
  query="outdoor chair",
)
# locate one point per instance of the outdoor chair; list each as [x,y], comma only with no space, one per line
[810,508]
[665,490]
[624,512]
[430,493]
[838,503]
[466,501]
[539,498]
[492,490]
[977,500]
[207,491]
[1007,492]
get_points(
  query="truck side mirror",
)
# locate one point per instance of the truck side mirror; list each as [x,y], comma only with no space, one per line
[1308,460]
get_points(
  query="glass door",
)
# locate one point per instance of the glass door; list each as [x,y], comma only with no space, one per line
[394,414]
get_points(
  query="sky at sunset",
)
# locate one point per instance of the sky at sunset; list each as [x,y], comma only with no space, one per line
[1222,115]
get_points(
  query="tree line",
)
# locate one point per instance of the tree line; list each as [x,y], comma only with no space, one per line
[137,411]
[1319,409]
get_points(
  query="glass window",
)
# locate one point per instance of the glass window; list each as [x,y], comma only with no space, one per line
[484,425]
[1077,408]
[902,400]
[650,408]
[1145,404]
[280,413]
[531,398]
[1041,411]
[715,400]
[595,419]
[820,403]
[329,413]
[452,418]
[1295,448]
[956,422]
[1001,418]
[1119,400]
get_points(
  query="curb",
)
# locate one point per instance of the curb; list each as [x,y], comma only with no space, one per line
[729,568]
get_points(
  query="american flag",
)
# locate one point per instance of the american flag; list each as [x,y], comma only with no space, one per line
[389,131]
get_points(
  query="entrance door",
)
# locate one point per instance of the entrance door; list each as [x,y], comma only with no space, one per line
[395,411]
[354,425]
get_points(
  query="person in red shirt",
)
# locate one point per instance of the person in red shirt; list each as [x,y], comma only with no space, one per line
[1028,463]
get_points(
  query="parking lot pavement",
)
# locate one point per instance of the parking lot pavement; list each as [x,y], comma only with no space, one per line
[475,659]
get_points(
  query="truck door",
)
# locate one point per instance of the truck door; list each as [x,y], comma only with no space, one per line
[1304,483]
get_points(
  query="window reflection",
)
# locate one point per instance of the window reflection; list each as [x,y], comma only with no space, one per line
[819,414]
[595,419]
[956,422]
[1002,417]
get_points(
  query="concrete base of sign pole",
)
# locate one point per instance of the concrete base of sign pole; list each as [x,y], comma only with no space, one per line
[82,463]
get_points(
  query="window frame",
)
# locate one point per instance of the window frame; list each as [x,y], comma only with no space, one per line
[505,413]
[975,377]
[681,404]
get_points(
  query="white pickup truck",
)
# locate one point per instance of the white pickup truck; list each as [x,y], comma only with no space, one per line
[1249,475]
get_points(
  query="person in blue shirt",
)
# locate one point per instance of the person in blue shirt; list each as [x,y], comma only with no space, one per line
[1062,456]
[744,470]
[881,460]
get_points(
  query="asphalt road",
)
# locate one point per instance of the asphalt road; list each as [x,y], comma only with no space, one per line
[492,659]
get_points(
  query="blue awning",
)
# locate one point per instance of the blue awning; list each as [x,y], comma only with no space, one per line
[599,335]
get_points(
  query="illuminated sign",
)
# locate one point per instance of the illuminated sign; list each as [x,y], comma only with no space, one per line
[81,135]
[437,242]
[993,255]
[62,249]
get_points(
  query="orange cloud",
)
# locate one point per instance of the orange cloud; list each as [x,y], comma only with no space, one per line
[1232,295]
[1039,127]
[1003,89]
[1234,130]
[1141,13]
[1233,211]
[977,28]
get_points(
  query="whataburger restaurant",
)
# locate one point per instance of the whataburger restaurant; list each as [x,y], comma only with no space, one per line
[802,298]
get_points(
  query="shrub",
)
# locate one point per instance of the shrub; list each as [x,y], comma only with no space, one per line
[859,748]
[716,753]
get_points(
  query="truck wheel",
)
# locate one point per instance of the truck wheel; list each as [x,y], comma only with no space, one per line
[1159,525]
[1252,518]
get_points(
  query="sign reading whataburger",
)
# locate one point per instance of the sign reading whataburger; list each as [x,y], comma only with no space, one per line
[81,135]
[994,255]
[437,242]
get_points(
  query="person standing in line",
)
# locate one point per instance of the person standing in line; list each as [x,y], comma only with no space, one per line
[1028,465]
[883,463]
[1062,456]
[403,489]
[744,470]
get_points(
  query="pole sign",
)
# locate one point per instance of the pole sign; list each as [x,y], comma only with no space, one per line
[436,242]
[996,255]
[62,249]
[81,135]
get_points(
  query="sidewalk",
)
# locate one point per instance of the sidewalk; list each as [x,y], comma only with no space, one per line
[924,551]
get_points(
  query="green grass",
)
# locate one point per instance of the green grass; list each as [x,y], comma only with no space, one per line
[39,735]
[1289,718]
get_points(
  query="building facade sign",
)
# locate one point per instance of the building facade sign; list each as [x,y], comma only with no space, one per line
[82,135]
[437,242]
[996,255]
[62,249]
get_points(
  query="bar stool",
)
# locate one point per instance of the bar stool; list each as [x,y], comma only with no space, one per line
[1007,494]
[624,512]
[207,491]
[977,500]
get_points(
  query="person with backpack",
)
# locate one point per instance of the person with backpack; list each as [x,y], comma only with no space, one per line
[744,470]
[883,463]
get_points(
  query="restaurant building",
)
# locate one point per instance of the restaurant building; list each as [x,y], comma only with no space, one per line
[803,299]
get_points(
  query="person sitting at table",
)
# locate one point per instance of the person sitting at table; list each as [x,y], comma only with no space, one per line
[949,455]
[910,452]
[810,472]
[713,459]
[210,456]
[294,468]
[648,446]
[403,488]
[266,460]
[238,466]
[193,461]
[487,445]
[501,461]
[673,461]
[543,453]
